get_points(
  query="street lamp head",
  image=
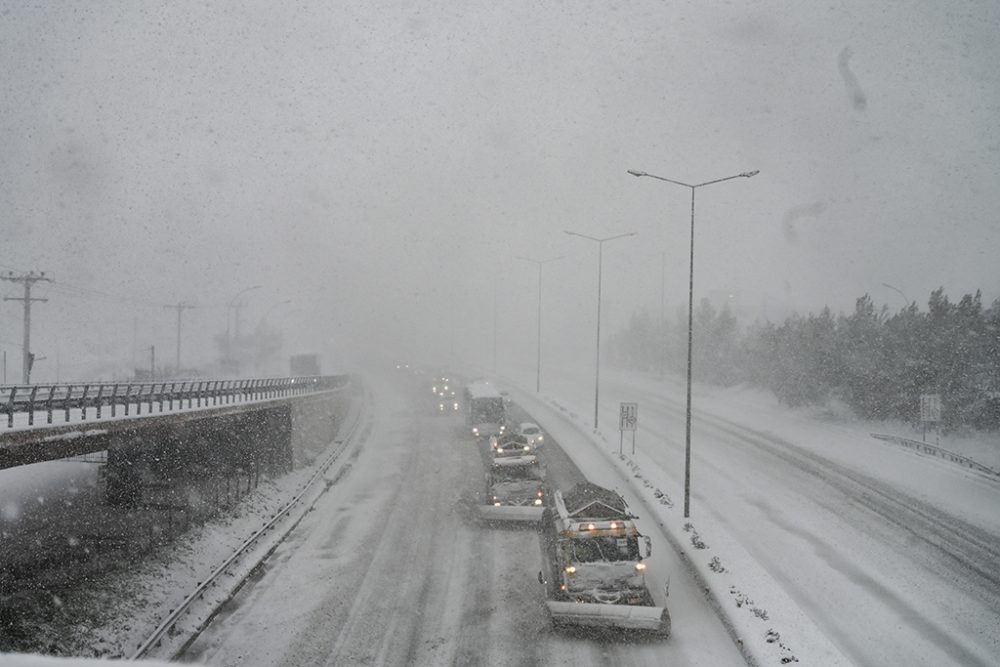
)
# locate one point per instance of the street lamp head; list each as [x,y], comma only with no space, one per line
[637,173]
[749,174]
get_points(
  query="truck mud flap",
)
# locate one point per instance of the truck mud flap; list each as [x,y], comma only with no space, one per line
[519,514]
[625,616]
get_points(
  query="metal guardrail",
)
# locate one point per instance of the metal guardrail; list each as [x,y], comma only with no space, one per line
[934,450]
[168,624]
[50,398]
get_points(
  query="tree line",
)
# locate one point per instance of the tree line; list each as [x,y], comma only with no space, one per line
[876,362]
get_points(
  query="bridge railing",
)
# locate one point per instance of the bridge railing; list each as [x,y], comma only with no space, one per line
[74,400]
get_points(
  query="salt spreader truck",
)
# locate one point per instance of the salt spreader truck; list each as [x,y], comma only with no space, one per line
[592,564]
[515,490]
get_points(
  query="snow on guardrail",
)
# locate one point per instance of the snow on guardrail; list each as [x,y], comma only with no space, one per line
[73,400]
[939,452]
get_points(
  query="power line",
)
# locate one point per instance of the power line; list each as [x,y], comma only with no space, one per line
[85,292]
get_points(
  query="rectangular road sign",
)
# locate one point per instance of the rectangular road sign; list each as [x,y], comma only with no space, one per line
[930,407]
[628,418]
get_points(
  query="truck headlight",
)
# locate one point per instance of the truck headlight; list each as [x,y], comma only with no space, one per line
[641,567]
[570,569]
[538,501]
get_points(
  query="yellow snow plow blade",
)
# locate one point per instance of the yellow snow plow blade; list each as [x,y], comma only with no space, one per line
[523,513]
[592,614]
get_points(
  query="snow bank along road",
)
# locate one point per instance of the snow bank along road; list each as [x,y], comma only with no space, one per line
[392,567]
[895,557]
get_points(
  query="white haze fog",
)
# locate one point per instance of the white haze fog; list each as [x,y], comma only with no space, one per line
[382,165]
[382,183]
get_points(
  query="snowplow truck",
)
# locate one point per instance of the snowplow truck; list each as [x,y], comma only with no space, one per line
[592,563]
[514,490]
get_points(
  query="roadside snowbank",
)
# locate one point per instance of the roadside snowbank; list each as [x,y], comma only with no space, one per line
[767,625]
[112,614]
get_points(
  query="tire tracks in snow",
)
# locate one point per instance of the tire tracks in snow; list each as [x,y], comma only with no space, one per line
[384,620]
[967,546]
[961,547]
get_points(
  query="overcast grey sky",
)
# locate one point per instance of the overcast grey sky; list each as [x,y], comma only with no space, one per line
[382,164]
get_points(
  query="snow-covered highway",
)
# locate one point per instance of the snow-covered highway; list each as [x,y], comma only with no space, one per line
[860,548]
[391,567]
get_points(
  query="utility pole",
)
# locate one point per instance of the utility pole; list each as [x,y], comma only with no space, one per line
[27,279]
[180,307]
[152,362]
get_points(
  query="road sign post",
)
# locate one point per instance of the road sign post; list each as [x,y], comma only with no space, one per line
[628,420]
[930,412]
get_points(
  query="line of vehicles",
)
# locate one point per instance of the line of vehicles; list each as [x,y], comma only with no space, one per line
[593,555]
[445,398]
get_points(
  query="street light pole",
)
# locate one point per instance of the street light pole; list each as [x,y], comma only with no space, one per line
[538,360]
[494,328]
[600,261]
[229,307]
[687,418]
[663,314]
